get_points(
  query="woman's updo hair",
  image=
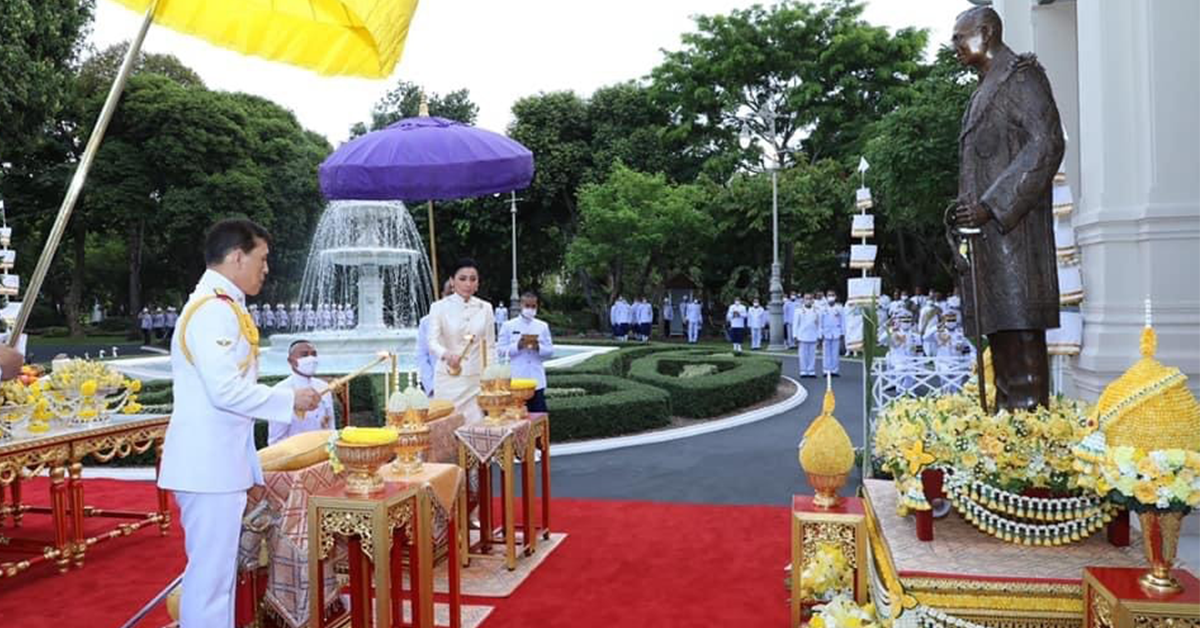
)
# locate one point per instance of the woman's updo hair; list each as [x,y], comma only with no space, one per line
[463,262]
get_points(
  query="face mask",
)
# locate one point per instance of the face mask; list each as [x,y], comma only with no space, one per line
[529,312]
[307,365]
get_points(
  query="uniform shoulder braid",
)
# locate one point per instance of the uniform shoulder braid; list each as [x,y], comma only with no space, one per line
[246,326]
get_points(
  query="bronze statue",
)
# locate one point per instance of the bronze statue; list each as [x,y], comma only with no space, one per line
[1009,151]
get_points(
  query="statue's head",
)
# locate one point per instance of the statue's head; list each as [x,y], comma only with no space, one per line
[977,33]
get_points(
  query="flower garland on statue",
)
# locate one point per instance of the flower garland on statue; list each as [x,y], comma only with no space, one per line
[1163,480]
[842,612]
[1010,451]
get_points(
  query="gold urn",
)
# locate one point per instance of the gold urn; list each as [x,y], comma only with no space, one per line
[494,399]
[826,454]
[412,441]
[362,462]
[520,391]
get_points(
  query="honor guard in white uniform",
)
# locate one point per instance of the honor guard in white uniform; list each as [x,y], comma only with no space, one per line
[833,325]
[326,316]
[254,315]
[645,319]
[807,323]
[302,357]
[789,314]
[208,458]
[526,342]
[281,318]
[160,323]
[666,314]
[736,318]
[501,315]
[268,317]
[146,321]
[350,317]
[758,320]
[694,319]
[171,320]
[310,318]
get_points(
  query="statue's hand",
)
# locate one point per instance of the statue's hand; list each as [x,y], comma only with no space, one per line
[971,215]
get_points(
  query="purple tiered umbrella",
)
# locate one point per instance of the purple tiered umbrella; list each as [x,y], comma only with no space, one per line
[426,159]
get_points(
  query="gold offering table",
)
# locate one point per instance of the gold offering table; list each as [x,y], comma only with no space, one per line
[378,528]
[1114,599]
[481,445]
[845,526]
[61,451]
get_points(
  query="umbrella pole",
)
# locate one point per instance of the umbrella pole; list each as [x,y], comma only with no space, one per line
[433,254]
[81,172]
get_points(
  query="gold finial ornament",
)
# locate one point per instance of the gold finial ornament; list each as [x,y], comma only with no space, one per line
[826,454]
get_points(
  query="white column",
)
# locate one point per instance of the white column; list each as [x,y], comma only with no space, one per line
[1017,17]
[1138,213]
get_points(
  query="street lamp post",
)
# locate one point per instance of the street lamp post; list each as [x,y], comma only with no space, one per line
[775,305]
[515,297]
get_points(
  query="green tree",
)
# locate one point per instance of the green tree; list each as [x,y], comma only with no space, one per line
[634,224]
[39,43]
[913,153]
[826,73]
[404,101]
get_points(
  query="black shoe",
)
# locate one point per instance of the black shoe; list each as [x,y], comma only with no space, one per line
[836,374]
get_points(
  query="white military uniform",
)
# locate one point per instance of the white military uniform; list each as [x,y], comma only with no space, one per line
[501,316]
[694,318]
[208,459]
[526,363]
[807,325]
[735,316]
[832,328]
[645,319]
[758,320]
[668,313]
[789,315]
[425,360]
[319,419]
[450,320]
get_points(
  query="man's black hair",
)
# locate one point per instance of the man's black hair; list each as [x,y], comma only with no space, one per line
[230,234]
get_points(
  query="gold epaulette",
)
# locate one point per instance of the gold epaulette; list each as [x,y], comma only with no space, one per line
[246,327]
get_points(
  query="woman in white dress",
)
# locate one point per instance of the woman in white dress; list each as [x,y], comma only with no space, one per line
[451,321]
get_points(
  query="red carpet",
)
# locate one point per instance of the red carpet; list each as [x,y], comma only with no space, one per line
[623,564]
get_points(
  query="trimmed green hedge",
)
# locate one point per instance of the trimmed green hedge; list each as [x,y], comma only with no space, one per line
[612,407]
[617,362]
[739,382]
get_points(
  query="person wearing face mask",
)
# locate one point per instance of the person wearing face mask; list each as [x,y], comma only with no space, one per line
[526,341]
[758,319]
[735,317]
[694,319]
[302,357]
[832,328]
[666,314]
[789,314]
[462,327]
[806,322]
[208,457]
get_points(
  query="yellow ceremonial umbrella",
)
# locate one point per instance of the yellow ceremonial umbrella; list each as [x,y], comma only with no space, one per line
[330,37]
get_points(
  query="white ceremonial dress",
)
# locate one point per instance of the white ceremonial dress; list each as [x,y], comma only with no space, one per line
[208,459]
[450,320]
[319,419]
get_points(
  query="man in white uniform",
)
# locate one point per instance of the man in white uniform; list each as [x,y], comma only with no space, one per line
[527,343]
[302,357]
[789,313]
[806,322]
[645,319]
[281,318]
[758,320]
[694,318]
[160,323]
[667,314]
[146,320]
[172,319]
[735,317]
[208,458]
[501,316]
[832,326]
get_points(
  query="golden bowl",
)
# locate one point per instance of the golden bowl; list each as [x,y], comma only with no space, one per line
[412,443]
[827,487]
[411,415]
[494,403]
[516,408]
[362,464]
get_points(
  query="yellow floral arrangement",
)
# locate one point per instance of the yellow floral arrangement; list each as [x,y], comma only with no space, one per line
[522,384]
[1013,451]
[826,574]
[842,612]
[368,435]
[1142,448]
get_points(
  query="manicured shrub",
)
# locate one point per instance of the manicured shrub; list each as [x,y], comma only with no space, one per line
[738,382]
[613,406]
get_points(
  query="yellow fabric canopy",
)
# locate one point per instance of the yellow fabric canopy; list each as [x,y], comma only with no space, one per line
[332,37]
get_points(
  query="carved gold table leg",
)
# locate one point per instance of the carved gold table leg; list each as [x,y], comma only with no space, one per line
[164,507]
[510,532]
[529,529]
[75,497]
[58,508]
[545,447]
[17,512]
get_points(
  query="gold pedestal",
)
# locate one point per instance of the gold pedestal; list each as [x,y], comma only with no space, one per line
[516,409]
[362,464]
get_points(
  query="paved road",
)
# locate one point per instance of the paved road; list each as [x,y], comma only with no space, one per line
[751,464]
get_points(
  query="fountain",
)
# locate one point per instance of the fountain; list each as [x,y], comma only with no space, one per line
[368,253]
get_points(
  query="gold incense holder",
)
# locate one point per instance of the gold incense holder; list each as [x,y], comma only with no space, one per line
[827,487]
[494,399]
[516,410]
[362,464]
[413,440]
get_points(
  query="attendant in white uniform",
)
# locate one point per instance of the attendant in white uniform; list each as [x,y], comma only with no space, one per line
[146,320]
[614,319]
[758,320]
[694,319]
[789,314]
[171,319]
[526,342]
[667,314]
[807,324]
[281,318]
[302,357]
[832,328]
[451,321]
[501,316]
[736,317]
[645,319]
[208,459]
[160,323]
